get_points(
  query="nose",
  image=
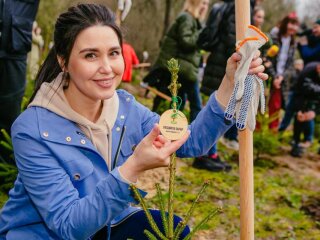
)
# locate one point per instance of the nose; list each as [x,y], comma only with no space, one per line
[105,65]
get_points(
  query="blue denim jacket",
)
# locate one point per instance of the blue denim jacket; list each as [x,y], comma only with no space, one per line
[64,189]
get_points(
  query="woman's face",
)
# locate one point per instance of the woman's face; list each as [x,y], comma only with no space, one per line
[258,18]
[292,28]
[95,65]
[316,30]
[204,5]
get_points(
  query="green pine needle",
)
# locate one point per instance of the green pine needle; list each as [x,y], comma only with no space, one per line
[149,235]
[162,209]
[204,221]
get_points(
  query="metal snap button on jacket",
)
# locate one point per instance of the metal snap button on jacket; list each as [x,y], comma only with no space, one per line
[133,147]
[76,176]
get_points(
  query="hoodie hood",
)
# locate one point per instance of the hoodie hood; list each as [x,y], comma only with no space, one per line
[51,96]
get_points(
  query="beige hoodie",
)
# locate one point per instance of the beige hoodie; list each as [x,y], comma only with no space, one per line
[51,96]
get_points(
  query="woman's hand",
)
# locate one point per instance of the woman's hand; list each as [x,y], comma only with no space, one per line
[256,67]
[226,87]
[152,152]
[303,40]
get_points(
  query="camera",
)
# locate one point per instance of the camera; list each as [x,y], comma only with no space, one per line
[305,32]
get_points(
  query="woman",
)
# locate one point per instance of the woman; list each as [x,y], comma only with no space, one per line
[282,65]
[258,17]
[180,42]
[36,50]
[74,173]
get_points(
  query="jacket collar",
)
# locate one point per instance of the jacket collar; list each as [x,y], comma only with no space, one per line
[55,128]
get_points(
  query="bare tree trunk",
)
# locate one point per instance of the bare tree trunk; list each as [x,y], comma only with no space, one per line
[166,17]
[275,10]
[310,10]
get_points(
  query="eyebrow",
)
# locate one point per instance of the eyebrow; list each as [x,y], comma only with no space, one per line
[115,48]
[89,50]
[96,50]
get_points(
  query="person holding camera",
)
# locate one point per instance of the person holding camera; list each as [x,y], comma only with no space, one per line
[309,44]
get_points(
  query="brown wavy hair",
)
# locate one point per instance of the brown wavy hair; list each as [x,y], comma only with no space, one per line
[283,26]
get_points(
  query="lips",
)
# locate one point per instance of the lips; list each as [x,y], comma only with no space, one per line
[105,82]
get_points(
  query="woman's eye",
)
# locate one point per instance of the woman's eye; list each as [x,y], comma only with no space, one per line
[90,56]
[115,53]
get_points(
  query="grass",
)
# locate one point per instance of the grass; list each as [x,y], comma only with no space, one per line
[279,194]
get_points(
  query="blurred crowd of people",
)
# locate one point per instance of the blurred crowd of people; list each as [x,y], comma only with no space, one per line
[291,58]
[294,80]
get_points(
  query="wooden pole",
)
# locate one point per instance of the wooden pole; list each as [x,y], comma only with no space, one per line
[246,144]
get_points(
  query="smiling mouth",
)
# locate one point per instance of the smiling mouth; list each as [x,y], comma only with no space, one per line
[105,82]
[105,79]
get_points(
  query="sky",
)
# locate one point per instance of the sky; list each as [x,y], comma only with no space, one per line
[301,7]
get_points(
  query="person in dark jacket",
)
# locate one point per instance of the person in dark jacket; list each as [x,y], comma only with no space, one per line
[290,107]
[309,46]
[16,19]
[221,21]
[180,43]
[307,103]
[225,44]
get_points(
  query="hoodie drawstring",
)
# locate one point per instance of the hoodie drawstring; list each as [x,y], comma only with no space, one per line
[109,137]
[91,136]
